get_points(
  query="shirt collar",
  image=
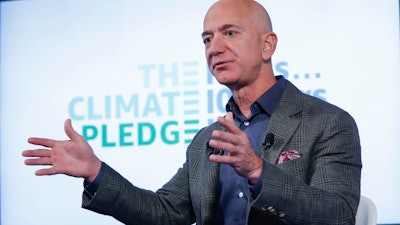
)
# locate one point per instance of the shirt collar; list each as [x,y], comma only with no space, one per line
[267,101]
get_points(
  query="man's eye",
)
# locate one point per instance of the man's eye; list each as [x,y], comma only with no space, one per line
[206,40]
[230,33]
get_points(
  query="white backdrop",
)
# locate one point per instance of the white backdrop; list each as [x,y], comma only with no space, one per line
[133,78]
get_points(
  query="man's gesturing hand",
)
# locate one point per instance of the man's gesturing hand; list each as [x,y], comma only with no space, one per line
[73,157]
[235,142]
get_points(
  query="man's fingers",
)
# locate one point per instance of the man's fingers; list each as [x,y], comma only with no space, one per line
[229,116]
[226,137]
[224,146]
[221,159]
[37,153]
[43,157]
[43,161]
[48,171]
[42,141]
[71,133]
[229,123]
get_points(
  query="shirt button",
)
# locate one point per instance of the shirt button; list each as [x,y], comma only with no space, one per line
[240,194]
[246,123]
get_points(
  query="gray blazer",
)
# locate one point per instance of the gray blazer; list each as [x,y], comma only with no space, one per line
[320,187]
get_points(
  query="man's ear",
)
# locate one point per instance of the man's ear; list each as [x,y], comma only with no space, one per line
[269,45]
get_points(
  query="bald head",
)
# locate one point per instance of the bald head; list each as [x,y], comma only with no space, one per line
[239,44]
[243,9]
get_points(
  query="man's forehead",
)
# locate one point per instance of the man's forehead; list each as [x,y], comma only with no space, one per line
[223,27]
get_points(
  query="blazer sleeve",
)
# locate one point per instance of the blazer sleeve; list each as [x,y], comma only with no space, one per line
[117,197]
[323,185]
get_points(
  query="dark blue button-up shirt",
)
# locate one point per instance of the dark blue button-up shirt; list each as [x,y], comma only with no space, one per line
[234,189]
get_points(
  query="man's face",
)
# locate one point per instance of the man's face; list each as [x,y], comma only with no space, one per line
[233,44]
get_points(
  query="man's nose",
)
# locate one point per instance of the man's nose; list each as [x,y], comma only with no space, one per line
[216,45]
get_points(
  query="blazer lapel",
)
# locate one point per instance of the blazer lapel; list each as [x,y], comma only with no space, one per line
[283,128]
[284,122]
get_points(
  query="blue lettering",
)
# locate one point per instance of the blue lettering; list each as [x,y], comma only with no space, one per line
[174,134]
[279,67]
[172,74]
[222,97]
[210,101]
[146,70]
[107,107]
[123,134]
[210,77]
[91,113]
[171,103]
[320,93]
[122,106]
[72,108]
[89,132]
[152,136]
[152,105]
[104,140]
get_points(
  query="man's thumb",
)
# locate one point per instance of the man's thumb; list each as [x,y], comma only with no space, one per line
[71,133]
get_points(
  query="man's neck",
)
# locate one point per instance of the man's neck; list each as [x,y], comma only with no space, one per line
[244,97]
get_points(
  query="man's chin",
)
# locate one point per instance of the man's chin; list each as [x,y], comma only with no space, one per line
[223,77]
[225,82]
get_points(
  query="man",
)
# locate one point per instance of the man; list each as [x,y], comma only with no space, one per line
[286,158]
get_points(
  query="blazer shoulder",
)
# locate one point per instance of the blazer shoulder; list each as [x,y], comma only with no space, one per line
[201,138]
[294,101]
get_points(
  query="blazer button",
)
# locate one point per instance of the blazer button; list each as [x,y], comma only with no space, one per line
[271,209]
[264,208]
[281,214]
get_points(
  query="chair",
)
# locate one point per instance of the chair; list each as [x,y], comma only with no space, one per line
[366,212]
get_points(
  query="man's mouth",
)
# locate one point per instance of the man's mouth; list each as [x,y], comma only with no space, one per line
[219,64]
